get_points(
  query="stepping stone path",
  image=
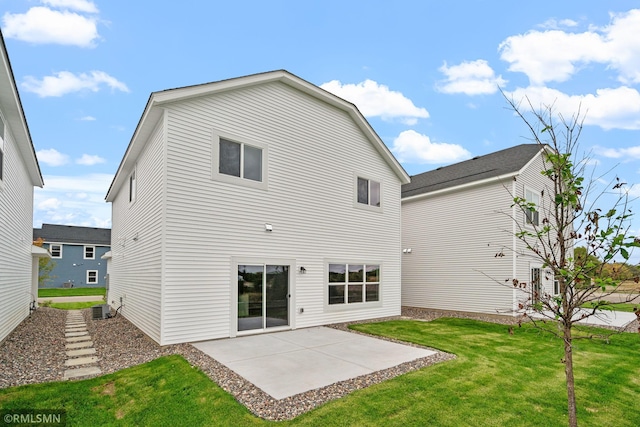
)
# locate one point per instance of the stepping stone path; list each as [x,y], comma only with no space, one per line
[81,360]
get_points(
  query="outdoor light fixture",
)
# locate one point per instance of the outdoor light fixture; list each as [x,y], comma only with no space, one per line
[406,251]
[303,270]
[268,227]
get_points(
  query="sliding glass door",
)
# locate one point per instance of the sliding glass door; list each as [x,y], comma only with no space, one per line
[263,296]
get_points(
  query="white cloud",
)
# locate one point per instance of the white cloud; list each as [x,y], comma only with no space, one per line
[617,108]
[73,200]
[374,100]
[556,55]
[88,119]
[555,24]
[42,25]
[90,160]
[79,5]
[413,147]
[66,82]
[52,157]
[470,78]
[49,204]
[617,153]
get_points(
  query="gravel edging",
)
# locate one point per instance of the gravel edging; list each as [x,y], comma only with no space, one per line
[35,352]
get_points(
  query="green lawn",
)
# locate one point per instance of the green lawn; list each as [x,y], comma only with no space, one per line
[497,379]
[74,305]
[69,292]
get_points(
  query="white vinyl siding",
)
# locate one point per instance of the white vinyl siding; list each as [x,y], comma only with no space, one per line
[458,260]
[16,236]
[314,150]
[136,241]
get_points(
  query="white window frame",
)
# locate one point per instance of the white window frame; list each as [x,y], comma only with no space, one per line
[2,153]
[93,252]
[89,282]
[347,306]
[536,214]
[368,205]
[59,245]
[231,179]
[132,185]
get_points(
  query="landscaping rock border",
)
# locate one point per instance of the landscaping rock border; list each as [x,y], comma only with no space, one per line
[34,352]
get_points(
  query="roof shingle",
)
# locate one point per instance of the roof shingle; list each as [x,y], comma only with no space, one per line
[73,234]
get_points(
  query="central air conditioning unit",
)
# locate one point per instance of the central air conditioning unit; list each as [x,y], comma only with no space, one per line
[102,311]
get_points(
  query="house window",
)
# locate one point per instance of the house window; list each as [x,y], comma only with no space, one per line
[353,283]
[92,277]
[240,160]
[89,252]
[556,287]
[132,186]
[532,216]
[56,251]
[368,192]
[1,149]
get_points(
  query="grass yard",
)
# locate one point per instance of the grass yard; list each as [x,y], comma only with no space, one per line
[69,292]
[623,306]
[497,379]
[74,305]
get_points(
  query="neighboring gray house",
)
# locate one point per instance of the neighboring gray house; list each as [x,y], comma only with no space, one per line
[77,253]
[253,204]
[458,233]
[19,173]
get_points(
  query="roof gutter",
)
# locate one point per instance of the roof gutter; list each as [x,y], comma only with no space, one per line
[495,179]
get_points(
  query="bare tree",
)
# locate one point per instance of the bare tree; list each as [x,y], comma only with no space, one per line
[570,216]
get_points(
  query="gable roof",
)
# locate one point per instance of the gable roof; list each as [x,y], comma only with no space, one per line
[499,165]
[15,119]
[73,234]
[152,114]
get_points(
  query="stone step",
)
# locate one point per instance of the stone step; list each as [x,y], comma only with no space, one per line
[81,352]
[81,372]
[75,334]
[81,361]
[86,337]
[76,322]
[77,329]
[77,345]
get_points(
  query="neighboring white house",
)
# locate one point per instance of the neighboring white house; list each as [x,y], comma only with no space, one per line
[253,204]
[19,173]
[460,251]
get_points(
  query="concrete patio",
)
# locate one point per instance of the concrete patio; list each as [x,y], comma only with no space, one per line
[284,364]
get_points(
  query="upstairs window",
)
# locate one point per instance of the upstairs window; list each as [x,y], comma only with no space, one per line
[532,215]
[56,251]
[1,149]
[368,192]
[89,252]
[240,160]
[132,186]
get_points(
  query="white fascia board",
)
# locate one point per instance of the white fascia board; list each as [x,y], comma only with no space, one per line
[500,178]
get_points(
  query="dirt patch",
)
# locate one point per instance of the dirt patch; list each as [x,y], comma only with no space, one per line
[108,389]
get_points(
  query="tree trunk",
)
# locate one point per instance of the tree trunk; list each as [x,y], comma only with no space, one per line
[568,370]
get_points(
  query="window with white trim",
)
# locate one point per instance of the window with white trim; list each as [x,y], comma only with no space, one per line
[92,277]
[353,283]
[56,251]
[368,192]
[89,252]
[240,160]
[132,186]
[1,149]
[532,215]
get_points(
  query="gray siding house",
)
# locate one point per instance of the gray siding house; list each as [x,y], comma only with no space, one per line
[253,204]
[458,233]
[19,174]
[77,253]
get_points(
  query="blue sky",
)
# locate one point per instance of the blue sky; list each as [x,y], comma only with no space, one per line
[424,73]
